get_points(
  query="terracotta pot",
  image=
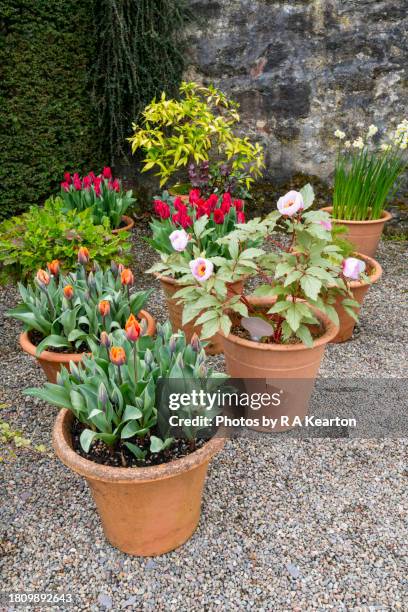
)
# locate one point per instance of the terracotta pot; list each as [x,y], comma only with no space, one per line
[170,286]
[365,235]
[129,223]
[51,362]
[291,368]
[144,511]
[359,289]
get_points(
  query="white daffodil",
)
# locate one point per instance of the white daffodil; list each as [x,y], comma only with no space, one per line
[340,135]
[358,143]
[347,144]
[372,130]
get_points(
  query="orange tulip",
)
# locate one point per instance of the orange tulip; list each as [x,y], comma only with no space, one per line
[117,355]
[127,277]
[69,292]
[83,256]
[43,278]
[54,267]
[104,307]
[132,328]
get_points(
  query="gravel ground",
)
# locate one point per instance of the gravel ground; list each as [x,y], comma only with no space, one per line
[317,524]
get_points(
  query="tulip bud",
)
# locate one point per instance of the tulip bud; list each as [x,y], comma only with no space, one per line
[202,370]
[195,343]
[53,267]
[132,328]
[114,268]
[127,277]
[102,395]
[172,343]
[68,292]
[148,358]
[143,327]
[121,267]
[117,355]
[105,340]
[83,256]
[43,278]
[104,308]
[91,281]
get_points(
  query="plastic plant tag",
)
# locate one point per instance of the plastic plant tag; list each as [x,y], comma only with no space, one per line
[257,327]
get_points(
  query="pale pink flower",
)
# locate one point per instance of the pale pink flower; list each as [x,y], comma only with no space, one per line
[290,203]
[327,224]
[179,240]
[201,269]
[352,268]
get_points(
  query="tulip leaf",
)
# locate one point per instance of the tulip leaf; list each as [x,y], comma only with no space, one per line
[54,341]
[86,439]
[131,412]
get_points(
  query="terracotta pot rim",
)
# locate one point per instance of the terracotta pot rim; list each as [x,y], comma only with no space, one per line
[331,331]
[374,276]
[30,348]
[386,216]
[129,224]
[89,469]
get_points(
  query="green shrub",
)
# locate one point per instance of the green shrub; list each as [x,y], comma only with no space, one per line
[47,123]
[29,241]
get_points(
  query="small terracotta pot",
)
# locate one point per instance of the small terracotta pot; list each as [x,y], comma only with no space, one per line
[170,286]
[365,235]
[291,368]
[129,223]
[52,363]
[144,511]
[359,289]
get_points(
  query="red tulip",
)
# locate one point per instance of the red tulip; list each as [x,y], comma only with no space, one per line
[67,177]
[54,267]
[240,217]
[239,205]
[218,216]
[132,328]
[107,172]
[194,196]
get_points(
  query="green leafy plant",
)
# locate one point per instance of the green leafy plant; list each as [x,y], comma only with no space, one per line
[186,230]
[302,273]
[176,132]
[367,175]
[29,241]
[72,311]
[114,394]
[103,194]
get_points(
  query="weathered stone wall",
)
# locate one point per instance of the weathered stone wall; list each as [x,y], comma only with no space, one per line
[302,68]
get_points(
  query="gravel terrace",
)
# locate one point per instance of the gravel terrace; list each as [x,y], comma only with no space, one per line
[287,524]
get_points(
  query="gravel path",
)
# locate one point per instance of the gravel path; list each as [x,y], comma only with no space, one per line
[286,525]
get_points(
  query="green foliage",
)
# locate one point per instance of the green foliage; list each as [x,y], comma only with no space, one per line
[75,318]
[200,123]
[47,124]
[29,241]
[119,403]
[363,182]
[301,275]
[139,56]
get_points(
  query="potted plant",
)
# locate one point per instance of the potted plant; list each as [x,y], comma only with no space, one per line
[147,485]
[65,315]
[196,127]
[183,232]
[280,332]
[103,194]
[366,176]
[359,272]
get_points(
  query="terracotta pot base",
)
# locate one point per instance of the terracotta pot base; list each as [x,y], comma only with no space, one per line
[52,363]
[129,223]
[144,511]
[291,368]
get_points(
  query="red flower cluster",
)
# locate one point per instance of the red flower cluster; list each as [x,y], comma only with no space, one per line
[90,180]
[197,207]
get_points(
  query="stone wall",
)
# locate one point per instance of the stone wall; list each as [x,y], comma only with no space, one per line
[302,68]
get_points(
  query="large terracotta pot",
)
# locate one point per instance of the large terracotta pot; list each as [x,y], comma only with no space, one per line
[52,363]
[129,223]
[170,286]
[144,511]
[290,368]
[359,289]
[365,235]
